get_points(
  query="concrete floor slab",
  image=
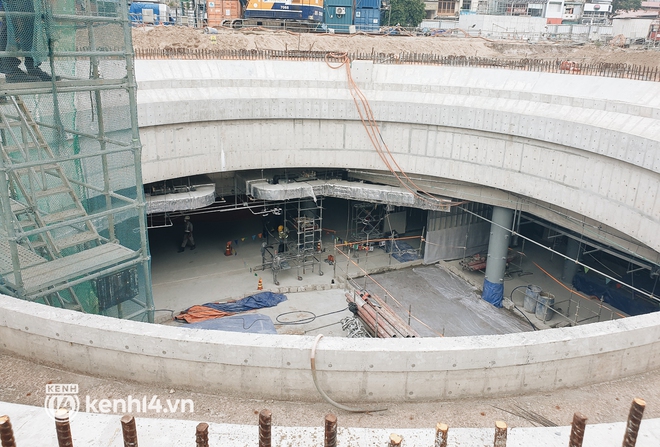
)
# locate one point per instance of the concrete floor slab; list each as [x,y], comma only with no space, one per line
[33,426]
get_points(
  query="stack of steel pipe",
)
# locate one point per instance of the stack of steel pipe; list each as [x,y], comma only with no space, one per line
[378,317]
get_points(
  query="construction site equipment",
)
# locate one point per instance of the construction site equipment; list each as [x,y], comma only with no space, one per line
[72,220]
[305,218]
[378,317]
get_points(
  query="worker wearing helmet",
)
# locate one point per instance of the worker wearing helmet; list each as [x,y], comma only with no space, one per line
[187,235]
[282,235]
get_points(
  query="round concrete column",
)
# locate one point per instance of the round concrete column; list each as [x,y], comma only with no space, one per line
[573,249]
[498,247]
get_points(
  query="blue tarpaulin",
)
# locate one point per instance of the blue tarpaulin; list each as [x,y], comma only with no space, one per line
[613,294]
[493,293]
[252,323]
[258,301]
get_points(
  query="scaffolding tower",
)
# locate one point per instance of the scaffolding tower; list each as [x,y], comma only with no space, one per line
[304,219]
[72,211]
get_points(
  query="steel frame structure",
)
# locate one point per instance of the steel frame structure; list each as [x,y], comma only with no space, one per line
[51,239]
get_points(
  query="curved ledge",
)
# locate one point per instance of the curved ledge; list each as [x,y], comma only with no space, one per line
[349,370]
[585,144]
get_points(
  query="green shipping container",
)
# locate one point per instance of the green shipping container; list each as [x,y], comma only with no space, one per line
[338,17]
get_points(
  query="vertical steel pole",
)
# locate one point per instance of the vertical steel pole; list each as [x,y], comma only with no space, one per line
[6,432]
[500,434]
[62,428]
[8,224]
[202,435]
[101,131]
[634,421]
[441,433]
[330,430]
[498,247]
[129,431]
[395,440]
[577,430]
[137,158]
[265,417]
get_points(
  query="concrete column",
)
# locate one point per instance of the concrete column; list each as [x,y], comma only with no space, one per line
[498,247]
[573,250]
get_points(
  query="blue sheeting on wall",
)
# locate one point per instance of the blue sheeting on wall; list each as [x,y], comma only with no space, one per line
[262,299]
[493,293]
[613,294]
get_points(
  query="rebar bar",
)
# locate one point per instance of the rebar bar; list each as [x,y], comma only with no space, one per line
[395,440]
[6,432]
[264,428]
[577,430]
[330,430]
[634,421]
[129,431]
[441,433]
[500,434]
[62,428]
[202,435]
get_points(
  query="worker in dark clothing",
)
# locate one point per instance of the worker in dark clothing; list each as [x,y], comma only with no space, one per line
[187,235]
[17,34]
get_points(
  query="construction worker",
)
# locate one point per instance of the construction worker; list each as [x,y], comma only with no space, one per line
[17,34]
[187,234]
[282,235]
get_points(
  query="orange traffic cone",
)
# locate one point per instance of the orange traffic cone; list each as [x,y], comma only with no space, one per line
[260,285]
[228,249]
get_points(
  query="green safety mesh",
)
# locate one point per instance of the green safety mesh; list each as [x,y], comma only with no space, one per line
[72,231]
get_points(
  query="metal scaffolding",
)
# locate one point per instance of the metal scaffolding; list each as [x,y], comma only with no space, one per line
[72,218]
[304,219]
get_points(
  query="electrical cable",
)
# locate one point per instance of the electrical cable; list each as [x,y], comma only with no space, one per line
[371,126]
[521,312]
[312,360]
[305,320]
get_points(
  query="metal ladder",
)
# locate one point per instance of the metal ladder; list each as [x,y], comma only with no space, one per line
[42,194]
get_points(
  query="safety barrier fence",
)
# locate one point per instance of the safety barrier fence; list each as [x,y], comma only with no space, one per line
[610,70]
[130,435]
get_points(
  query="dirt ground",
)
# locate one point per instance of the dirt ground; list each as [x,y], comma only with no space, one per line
[24,382]
[182,37]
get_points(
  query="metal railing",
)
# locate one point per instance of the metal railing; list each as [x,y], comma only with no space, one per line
[609,70]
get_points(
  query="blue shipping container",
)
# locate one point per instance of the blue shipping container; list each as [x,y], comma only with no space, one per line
[338,3]
[338,18]
[367,20]
[367,4]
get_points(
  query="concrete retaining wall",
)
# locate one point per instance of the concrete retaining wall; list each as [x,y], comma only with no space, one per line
[278,366]
[586,144]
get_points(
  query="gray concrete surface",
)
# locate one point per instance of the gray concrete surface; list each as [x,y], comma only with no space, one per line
[32,426]
[588,146]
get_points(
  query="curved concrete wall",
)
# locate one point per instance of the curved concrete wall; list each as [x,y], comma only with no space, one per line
[587,144]
[278,366]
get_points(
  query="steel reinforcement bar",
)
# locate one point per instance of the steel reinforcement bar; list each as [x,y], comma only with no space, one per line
[626,71]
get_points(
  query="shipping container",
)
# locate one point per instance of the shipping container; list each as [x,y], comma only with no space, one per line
[335,3]
[367,4]
[338,18]
[219,10]
[367,20]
